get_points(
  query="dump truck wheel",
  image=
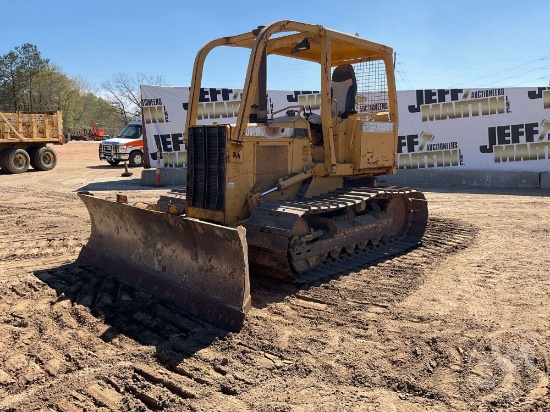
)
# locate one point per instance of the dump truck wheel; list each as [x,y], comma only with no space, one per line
[136,159]
[16,160]
[2,166]
[44,159]
[31,151]
[113,162]
[32,154]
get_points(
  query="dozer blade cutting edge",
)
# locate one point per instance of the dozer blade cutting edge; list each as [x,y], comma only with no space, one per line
[199,267]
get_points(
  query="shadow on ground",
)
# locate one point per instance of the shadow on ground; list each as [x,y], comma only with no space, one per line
[125,183]
[137,315]
[478,190]
[136,170]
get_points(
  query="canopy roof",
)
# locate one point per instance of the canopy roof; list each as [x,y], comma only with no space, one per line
[284,35]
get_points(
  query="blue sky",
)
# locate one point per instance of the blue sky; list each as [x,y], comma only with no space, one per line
[439,44]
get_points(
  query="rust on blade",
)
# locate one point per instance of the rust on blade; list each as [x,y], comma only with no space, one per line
[199,267]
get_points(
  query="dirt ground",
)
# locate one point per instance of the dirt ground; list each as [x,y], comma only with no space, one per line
[459,323]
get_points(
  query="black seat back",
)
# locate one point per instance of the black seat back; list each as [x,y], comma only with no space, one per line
[344,89]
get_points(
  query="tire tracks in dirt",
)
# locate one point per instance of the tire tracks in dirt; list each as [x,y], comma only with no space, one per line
[82,341]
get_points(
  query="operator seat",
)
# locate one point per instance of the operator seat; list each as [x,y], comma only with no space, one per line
[344,89]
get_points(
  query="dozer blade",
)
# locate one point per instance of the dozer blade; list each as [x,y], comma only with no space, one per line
[199,267]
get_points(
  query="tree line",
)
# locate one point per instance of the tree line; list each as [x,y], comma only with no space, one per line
[30,82]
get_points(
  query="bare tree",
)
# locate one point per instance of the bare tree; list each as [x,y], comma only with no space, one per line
[123,92]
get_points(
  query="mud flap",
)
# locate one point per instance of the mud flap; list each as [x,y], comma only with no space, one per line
[199,267]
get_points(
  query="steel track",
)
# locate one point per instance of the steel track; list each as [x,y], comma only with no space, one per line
[269,230]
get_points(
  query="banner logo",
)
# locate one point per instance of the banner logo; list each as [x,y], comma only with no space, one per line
[541,93]
[153,111]
[172,149]
[424,152]
[308,99]
[518,142]
[217,103]
[443,104]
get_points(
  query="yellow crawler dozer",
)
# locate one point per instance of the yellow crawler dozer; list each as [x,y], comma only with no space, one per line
[292,194]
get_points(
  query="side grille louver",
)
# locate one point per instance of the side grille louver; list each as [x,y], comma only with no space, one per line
[206,158]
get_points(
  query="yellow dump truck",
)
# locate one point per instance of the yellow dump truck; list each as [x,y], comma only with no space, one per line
[24,137]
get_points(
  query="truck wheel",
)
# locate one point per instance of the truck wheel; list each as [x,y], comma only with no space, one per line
[2,166]
[32,152]
[136,159]
[16,160]
[43,158]
[113,162]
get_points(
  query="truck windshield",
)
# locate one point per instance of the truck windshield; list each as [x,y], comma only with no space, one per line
[131,131]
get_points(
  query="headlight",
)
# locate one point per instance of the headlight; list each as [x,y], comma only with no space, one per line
[121,149]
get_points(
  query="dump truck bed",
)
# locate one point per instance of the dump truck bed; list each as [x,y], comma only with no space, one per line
[32,128]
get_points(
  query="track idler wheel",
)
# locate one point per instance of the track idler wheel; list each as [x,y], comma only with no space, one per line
[397,208]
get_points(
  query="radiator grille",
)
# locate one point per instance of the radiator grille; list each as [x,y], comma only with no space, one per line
[206,154]
[105,149]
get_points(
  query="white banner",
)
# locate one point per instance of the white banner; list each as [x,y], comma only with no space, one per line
[164,116]
[453,129]
[475,129]
[164,110]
